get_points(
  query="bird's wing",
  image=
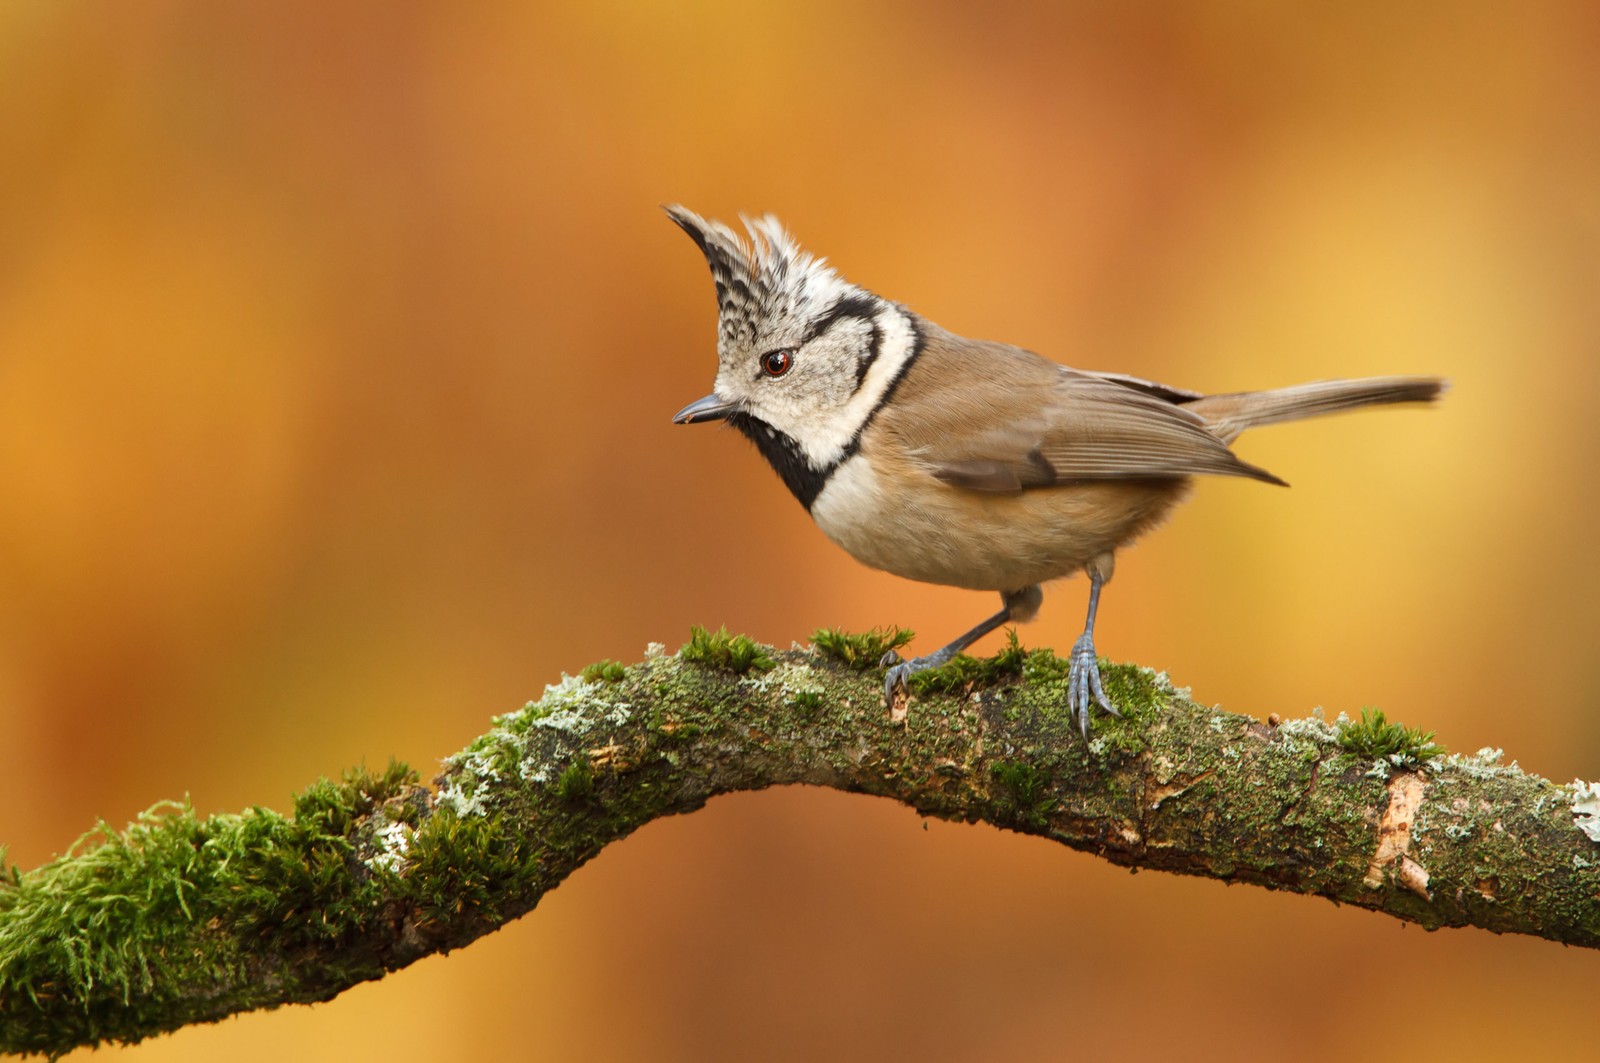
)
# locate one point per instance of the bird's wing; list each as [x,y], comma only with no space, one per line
[989,417]
[1178,396]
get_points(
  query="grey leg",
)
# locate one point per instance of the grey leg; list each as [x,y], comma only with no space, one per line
[1083,673]
[1018,604]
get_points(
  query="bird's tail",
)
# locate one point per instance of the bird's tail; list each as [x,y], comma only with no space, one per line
[1230,415]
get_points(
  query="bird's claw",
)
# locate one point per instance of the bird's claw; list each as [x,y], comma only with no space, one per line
[893,681]
[1084,686]
[900,671]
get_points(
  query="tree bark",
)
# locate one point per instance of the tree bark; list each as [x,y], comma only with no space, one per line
[180,919]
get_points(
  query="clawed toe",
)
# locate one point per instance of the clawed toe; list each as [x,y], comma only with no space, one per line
[899,675]
[1084,686]
[895,678]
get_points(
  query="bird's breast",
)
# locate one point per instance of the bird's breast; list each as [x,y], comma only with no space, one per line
[899,518]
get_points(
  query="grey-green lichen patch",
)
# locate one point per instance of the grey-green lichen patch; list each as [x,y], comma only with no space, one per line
[1484,764]
[1255,798]
[796,683]
[577,706]
[1586,808]
[524,744]
[392,840]
[1314,730]
[471,782]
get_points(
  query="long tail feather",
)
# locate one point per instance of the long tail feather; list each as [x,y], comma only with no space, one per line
[1230,415]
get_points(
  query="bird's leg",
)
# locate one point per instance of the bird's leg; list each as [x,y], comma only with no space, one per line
[1083,672]
[1019,605]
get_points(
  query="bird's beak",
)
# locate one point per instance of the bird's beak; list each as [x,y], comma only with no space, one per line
[710,408]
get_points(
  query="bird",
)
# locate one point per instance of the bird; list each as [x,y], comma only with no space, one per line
[963,462]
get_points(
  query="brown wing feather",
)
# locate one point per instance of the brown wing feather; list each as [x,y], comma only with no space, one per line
[1101,429]
[996,418]
[1150,387]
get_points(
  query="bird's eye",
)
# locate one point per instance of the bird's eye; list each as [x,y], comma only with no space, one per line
[776,363]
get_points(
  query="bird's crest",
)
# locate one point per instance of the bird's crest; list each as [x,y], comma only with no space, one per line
[762,283]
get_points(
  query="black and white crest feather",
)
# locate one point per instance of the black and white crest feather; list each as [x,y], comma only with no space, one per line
[761,282]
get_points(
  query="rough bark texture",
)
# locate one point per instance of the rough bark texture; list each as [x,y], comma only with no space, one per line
[180,919]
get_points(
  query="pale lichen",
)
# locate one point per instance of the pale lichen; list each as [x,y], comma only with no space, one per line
[790,680]
[1309,732]
[1586,808]
[477,771]
[395,839]
[1484,764]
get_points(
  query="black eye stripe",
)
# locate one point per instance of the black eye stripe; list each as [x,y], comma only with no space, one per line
[873,348]
[862,306]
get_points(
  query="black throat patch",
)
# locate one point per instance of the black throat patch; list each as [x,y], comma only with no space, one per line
[785,457]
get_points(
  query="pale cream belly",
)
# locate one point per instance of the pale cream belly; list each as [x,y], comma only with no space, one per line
[922,529]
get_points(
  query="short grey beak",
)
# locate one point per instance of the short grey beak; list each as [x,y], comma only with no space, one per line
[710,408]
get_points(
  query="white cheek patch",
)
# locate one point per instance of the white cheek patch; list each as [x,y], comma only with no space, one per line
[825,438]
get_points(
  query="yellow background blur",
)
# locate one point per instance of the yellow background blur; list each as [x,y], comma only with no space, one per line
[338,346]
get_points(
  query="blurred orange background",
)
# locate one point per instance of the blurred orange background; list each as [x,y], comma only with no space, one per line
[338,347]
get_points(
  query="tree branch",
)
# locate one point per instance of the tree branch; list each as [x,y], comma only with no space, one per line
[180,919]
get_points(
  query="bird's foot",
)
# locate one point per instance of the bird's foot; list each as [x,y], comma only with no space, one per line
[1083,684]
[901,671]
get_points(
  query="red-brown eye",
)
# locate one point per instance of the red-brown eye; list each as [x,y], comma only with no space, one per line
[776,363]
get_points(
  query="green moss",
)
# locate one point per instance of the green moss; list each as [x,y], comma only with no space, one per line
[961,672]
[1025,791]
[577,782]
[1374,736]
[116,924]
[725,652]
[70,927]
[808,700]
[1039,708]
[329,808]
[607,671]
[464,865]
[862,651]
[1012,659]
[306,883]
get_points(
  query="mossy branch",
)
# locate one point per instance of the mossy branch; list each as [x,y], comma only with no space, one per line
[180,919]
